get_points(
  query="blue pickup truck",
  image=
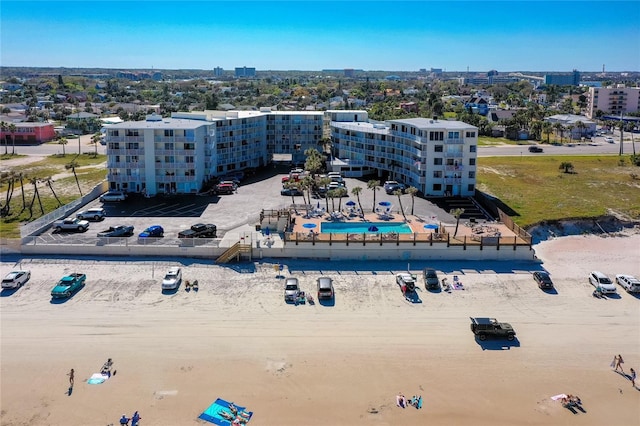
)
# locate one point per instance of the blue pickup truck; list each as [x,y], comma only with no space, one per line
[68,285]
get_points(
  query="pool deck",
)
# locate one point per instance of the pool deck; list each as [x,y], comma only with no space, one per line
[467,232]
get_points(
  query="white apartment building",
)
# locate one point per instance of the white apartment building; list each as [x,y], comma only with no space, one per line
[613,100]
[178,154]
[436,156]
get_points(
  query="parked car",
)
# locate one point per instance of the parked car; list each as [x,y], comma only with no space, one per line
[543,279]
[154,231]
[291,289]
[95,213]
[68,285]
[172,279]
[291,192]
[490,327]
[199,230]
[431,280]
[70,224]
[630,283]
[391,186]
[117,231]
[609,139]
[113,196]
[535,148]
[16,279]
[226,188]
[406,281]
[598,279]
[325,288]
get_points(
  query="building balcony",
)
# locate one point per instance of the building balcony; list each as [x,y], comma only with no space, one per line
[454,168]
[453,154]
[458,141]
[453,181]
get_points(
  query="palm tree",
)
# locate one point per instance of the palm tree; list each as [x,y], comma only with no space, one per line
[12,129]
[581,126]
[4,126]
[313,163]
[566,166]
[5,210]
[412,191]
[559,128]
[457,213]
[570,128]
[63,141]
[73,169]
[49,183]
[340,192]
[374,185]
[322,183]
[547,128]
[398,193]
[291,186]
[95,140]
[356,190]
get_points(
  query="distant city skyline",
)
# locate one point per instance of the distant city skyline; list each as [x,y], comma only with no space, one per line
[303,35]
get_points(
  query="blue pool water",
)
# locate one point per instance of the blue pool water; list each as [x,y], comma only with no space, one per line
[363,227]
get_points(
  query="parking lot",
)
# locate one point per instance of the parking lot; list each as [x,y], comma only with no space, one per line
[178,212]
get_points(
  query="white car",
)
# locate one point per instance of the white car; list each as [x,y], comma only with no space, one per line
[609,139]
[171,280]
[16,279]
[630,283]
[598,279]
[95,213]
[113,196]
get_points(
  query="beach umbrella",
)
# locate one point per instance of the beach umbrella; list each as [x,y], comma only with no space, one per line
[373,228]
[267,231]
[318,206]
[350,203]
[384,203]
[309,225]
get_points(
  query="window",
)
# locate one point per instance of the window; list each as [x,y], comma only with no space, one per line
[471,134]
[453,135]
[168,146]
[438,148]
[437,161]
[189,146]
[436,136]
[437,174]
[168,133]
[472,148]
[188,159]
[470,188]
[437,187]
[131,132]
[472,161]
[472,175]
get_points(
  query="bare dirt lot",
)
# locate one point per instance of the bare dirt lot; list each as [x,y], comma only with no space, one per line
[338,363]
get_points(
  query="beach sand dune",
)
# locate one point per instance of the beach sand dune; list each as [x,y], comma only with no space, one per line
[338,363]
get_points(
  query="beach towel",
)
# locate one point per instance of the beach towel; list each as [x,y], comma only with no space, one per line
[557,397]
[419,403]
[214,413]
[97,379]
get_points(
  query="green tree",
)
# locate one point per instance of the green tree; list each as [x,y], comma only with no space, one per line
[313,162]
[356,190]
[95,140]
[322,183]
[63,141]
[373,185]
[457,213]
[398,193]
[559,128]
[5,126]
[566,166]
[12,129]
[547,128]
[412,191]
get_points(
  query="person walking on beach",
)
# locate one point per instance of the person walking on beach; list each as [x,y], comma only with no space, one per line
[633,377]
[619,361]
[71,375]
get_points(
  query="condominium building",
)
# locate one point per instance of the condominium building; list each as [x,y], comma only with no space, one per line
[178,154]
[613,100]
[438,157]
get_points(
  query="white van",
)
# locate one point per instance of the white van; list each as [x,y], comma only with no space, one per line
[630,283]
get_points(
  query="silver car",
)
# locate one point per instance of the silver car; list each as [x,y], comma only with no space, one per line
[291,289]
[15,279]
[172,279]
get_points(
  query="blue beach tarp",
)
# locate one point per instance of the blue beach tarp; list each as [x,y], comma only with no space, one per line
[212,413]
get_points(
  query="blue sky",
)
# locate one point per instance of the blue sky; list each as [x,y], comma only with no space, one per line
[314,35]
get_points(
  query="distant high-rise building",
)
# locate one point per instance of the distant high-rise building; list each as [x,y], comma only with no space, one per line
[218,72]
[244,72]
[613,100]
[436,70]
[349,72]
[566,79]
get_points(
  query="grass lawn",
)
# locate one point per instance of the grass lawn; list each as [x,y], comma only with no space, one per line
[489,141]
[89,170]
[536,189]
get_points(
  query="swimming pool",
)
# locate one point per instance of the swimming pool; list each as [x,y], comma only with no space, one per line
[363,227]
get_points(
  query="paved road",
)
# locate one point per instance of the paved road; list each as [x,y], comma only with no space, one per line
[598,146]
[51,148]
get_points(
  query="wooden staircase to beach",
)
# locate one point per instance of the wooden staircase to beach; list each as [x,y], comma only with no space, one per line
[235,251]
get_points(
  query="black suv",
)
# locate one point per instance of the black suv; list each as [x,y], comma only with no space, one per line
[431,280]
[535,148]
[487,327]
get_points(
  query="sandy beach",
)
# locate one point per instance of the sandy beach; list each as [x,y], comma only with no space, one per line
[323,364]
